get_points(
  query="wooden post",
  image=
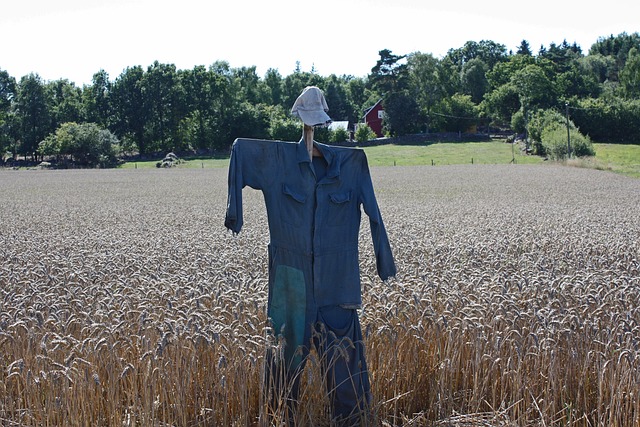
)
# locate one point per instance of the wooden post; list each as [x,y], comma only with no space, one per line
[307,135]
[566,105]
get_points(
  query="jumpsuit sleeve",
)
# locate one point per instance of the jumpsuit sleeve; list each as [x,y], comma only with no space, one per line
[247,167]
[384,258]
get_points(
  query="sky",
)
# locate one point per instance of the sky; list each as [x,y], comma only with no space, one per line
[74,39]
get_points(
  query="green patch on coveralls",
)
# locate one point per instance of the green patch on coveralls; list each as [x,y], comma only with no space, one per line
[287,311]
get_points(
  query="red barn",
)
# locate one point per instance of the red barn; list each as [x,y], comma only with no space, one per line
[373,118]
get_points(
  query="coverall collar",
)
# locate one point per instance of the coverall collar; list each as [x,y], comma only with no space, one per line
[333,167]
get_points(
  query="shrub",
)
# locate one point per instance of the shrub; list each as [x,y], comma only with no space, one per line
[84,144]
[321,134]
[339,135]
[541,119]
[518,124]
[611,120]
[548,130]
[364,133]
[554,141]
[285,129]
[538,121]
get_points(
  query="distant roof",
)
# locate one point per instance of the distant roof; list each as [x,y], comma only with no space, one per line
[371,108]
[336,125]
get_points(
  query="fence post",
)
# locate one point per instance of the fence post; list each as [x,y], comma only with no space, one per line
[568,133]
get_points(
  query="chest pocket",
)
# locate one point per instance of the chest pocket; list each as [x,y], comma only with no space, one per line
[293,206]
[340,209]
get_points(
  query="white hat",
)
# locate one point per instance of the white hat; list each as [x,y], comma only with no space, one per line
[311,107]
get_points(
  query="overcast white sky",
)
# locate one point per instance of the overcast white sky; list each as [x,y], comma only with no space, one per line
[74,39]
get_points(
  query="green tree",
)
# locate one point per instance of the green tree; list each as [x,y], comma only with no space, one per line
[630,75]
[449,77]
[617,48]
[534,88]
[226,106]
[251,121]
[162,94]
[65,102]
[273,83]
[425,83]
[390,77]
[502,73]
[96,99]
[337,95]
[295,83]
[597,66]
[401,113]
[491,53]
[249,84]
[360,96]
[459,113]
[501,104]
[524,49]
[563,55]
[209,104]
[130,109]
[32,114]
[7,95]
[389,74]
[474,79]
[574,82]
[7,91]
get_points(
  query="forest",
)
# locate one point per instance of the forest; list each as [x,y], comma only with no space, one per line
[479,87]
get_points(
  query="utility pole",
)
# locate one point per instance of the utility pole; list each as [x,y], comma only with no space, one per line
[566,105]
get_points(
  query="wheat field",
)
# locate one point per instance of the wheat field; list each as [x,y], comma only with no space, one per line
[125,302]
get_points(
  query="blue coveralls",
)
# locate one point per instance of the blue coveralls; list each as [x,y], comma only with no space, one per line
[313,211]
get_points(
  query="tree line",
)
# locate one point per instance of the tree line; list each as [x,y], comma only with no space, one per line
[479,85]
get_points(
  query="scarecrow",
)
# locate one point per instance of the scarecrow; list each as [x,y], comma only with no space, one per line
[313,194]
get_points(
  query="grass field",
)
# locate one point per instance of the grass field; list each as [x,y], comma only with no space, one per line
[619,158]
[439,154]
[125,302]
[624,159]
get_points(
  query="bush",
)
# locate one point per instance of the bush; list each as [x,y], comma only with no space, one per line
[83,144]
[340,135]
[611,120]
[542,119]
[554,141]
[286,129]
[364,133]
[548,131]
[518,124]
[320,134]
